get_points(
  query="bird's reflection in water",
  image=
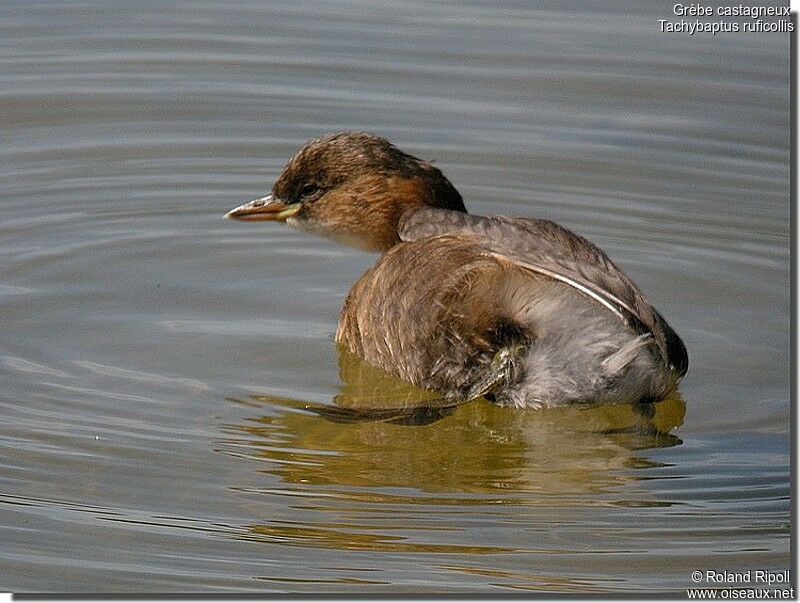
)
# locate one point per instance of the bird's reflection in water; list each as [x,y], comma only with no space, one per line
[383,433]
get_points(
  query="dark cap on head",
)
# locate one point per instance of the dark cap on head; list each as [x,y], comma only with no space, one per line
[352,186]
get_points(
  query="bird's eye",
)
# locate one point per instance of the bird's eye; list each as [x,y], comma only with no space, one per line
[308,191]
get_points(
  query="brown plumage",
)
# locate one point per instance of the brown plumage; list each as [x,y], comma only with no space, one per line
[519,310]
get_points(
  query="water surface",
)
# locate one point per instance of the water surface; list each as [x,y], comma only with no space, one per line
[167,415]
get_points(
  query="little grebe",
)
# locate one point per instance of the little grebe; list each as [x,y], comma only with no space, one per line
[519,310]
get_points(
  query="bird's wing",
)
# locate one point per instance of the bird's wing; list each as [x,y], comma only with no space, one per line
[546,248]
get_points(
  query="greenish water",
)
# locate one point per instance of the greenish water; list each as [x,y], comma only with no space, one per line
[169,378]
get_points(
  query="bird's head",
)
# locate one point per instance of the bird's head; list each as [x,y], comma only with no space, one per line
[352,187]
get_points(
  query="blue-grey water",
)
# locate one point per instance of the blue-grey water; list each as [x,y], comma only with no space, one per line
[158,362]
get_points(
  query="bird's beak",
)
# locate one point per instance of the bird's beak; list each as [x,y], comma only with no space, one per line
[266,208]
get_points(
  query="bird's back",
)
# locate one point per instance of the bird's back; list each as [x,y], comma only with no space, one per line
[520,310]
